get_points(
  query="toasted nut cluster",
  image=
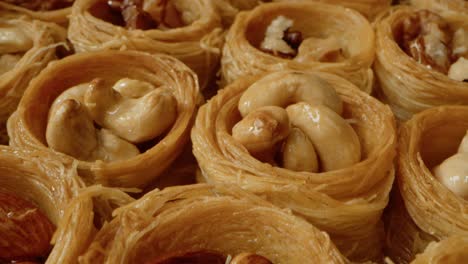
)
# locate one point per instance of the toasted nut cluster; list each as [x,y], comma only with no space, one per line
[25,231]
[281,40]
[41,5]
[96,121]
[453,172]
[298,115]
[140,14]
[428,39]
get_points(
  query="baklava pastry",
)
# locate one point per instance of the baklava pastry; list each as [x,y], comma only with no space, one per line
[453,250]
[35,190]
[56,11]
[422,61]
[191,31]
[369,8]
[311,142]
[207,224]
[300,36]
[123,115]
[26,47]
[433,175]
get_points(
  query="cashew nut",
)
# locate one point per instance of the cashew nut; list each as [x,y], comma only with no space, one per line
[74,93]
[128,112]
[249,258]
[262,129]
[71,130]
[299,153]
[463,148]
[284,88]
[453,172]
[334,139]
[317,49]
[14,40]
[459,70]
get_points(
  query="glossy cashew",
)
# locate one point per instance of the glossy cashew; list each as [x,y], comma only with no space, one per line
[262,129]
[285,88]
[131,110]
[453,172]
[249,258]
[299,152]
[71,130]
[335,141]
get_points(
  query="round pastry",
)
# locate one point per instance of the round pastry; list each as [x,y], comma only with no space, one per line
[124,115]
[422,60]
[56,11]
[206,224]
[311,142]
[34,192]
[26,47]
[432,173]
[369,8]
[188,30]
[300,36]
[453,250]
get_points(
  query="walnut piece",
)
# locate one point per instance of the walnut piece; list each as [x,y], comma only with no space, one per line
[426,38]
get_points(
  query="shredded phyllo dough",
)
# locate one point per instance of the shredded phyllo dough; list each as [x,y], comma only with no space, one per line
[274,36]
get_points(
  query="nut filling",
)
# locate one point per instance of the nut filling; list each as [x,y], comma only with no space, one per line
[212,257]
[14,42]
[294,120]
[25,231]
[453,172]
[283,41]
[41,5]
[141,14]
[97,121]
[429,40]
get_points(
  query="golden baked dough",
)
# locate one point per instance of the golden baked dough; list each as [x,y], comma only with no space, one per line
[369,8]
[452,250]
[347,203]
[197,43]
[27,126]
[406,85]
[344,38]
[425,141]
[27,46]
[39,177]
[206,218]
[57,15]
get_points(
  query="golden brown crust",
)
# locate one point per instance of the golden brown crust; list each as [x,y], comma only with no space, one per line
[202,217]
[406,85]
[353,198]
[27,126]
[197,44]
[242,56]
[46,38]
